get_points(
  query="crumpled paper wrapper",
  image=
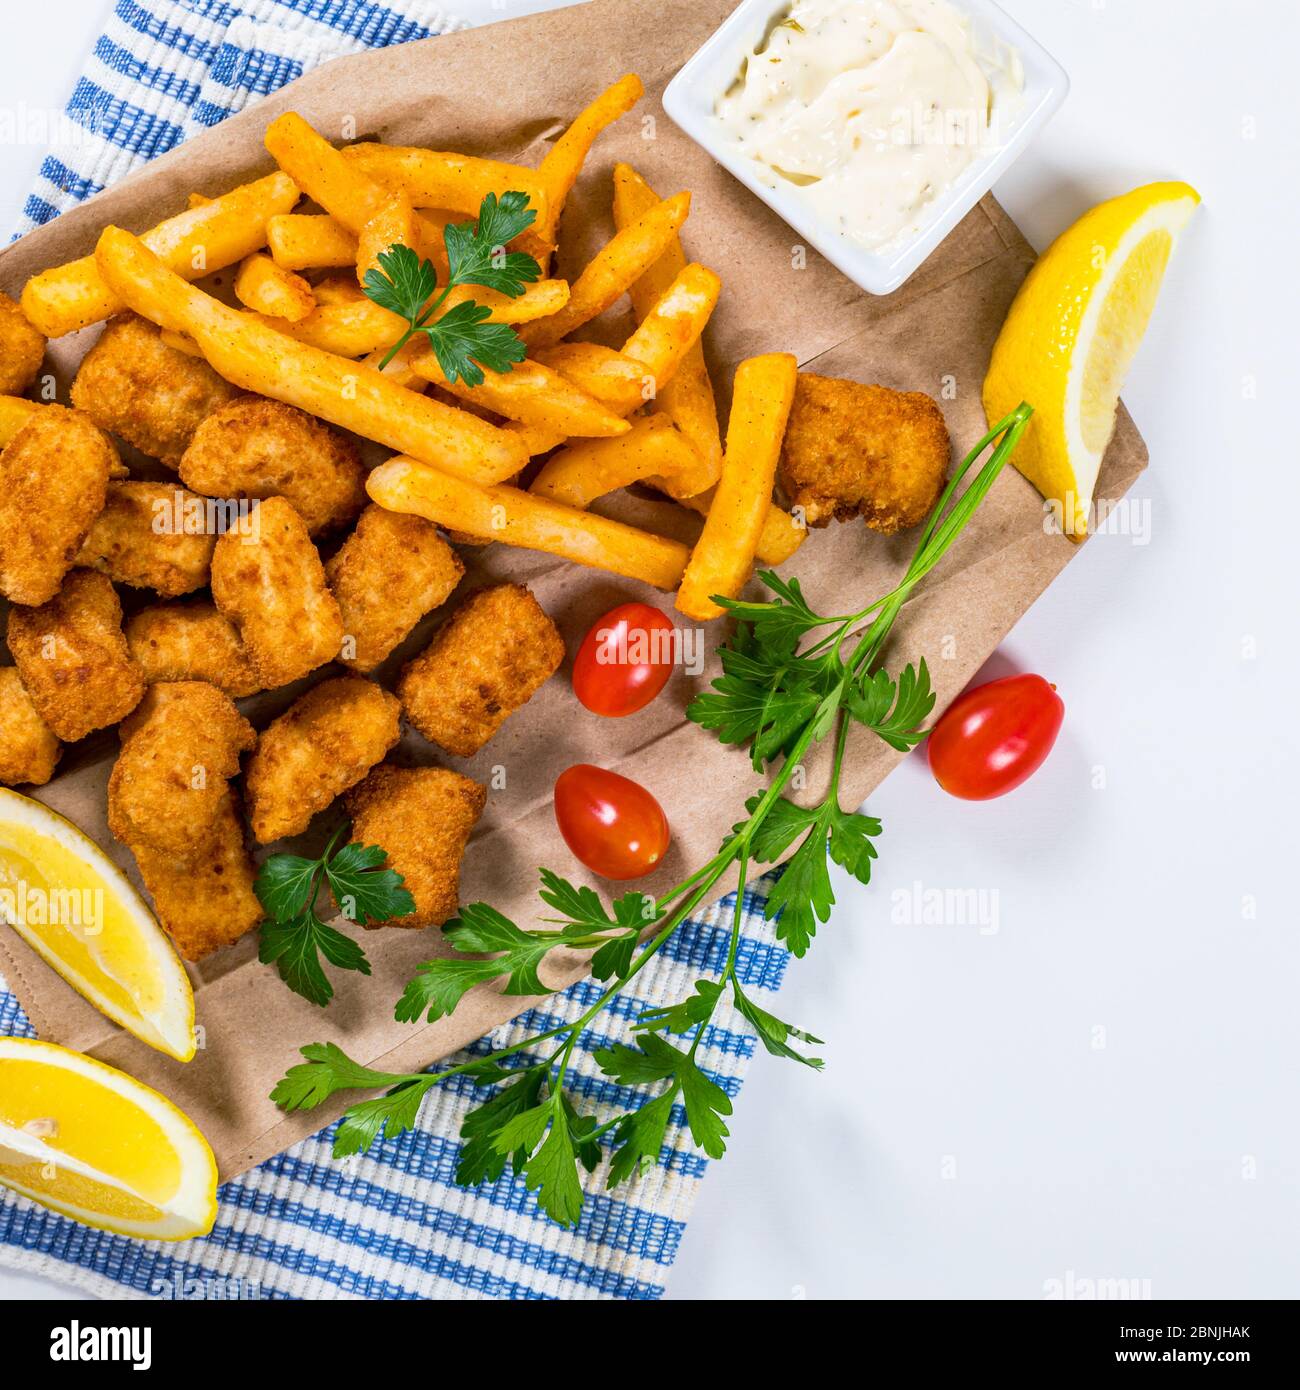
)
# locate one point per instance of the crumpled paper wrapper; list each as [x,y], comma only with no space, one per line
[506,91]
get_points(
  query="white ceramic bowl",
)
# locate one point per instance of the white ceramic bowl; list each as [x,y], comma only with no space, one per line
[692,95]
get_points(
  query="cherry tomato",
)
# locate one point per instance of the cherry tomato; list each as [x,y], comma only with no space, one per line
[624,660]
[612,824]
[993,738]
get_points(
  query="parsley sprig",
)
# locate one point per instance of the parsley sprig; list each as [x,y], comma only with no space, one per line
[295,937]
[461,338]
[791,679]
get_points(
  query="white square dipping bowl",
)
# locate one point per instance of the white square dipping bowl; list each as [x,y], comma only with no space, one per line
[692,95]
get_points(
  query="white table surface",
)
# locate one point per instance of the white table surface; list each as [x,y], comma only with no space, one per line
[1105,1085]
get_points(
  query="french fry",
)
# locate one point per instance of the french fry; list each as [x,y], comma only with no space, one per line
[339,289]
[15,412]
[518,518]
[309,241]
[782,534]
[395,224]
[613,379]
[674,323]
[564,160]
[453,183]
[398,370]
[723,558]
[250,353]
[531,393]
[269,289]
[687,399]
[347,323]
[192,244]
[619,263]
[579,474]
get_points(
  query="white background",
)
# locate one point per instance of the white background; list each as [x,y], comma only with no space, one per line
[1105,1086]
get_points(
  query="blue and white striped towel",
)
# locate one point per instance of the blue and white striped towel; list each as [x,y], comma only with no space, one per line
[390,1224]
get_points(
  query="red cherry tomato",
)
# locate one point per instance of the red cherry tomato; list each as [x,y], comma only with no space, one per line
[624,661]
[993,738]
[612,824]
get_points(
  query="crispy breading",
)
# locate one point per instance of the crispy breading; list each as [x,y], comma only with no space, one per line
[422,817]
[73,658]
[22,349]
[28,749]
[179,748]
[254,447]
[853,450]
[324,743]
[390,572]
[206,902]
[151,395]
[498,649]
[54,477]
[270,583]
[191,642]
[141,539]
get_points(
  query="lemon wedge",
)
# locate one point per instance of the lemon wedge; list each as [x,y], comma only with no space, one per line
[86,1140]
[74,907]
[1071,334]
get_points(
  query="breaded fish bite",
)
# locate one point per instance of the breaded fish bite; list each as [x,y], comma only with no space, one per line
[22,349]
[132,384]
[53,482]
[73,658]
[271,585]
[179,748]
[206,902]
[324,743]
[422,817]
[191,642]
[853,450]
[254,447]
[140,539]
[496,652]
[390,572]
[28,750]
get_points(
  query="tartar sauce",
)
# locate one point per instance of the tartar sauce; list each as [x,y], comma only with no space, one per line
[870,108]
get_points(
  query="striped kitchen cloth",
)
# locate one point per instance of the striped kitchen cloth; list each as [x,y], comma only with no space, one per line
[390,1224]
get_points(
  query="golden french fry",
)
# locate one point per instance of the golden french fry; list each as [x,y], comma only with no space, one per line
[399,370]
[531,393]
[191,244]
[251,354]
[518,518]
[589,469]
[674,323]
[396,224]
[613,379]
[182,342]
[337,184]
[619,263]
[723,558]
[347,323]
[687,399]
[453,183]
[309,241]
[269,289]
[15,412]
[340,289]
[564,160]
[782,534]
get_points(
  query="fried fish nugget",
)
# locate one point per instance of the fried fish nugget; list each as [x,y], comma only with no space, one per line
[140,539]
[191,642]
[390,572]
[853,450]
[22,349]
[179,748]
[54,477]
[28,750]
[255,447]
[271,585]
[496,652]
[206,902]
[136,387]
[73,658]
[422,817]
[324,743]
